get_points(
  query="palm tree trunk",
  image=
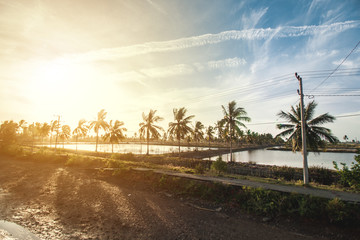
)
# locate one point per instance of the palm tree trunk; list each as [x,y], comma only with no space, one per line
[231,150]
[179,147]
[147,139]
[76,142]
[231,145]
[147,148]
[112,147]
[57,135]
[97,140]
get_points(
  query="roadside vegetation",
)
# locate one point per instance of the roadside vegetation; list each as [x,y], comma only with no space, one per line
[18,140]
[265,202]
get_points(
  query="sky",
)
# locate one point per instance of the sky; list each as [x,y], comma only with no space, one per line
[74,58]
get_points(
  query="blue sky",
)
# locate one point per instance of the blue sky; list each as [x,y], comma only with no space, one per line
[73,58]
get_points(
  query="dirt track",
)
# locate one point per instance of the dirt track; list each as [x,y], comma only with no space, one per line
[56,202]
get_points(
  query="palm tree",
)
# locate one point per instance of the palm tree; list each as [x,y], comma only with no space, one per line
[22,125]
[179,128]
[54,127]
[65,133]
[8,130]
[219,126]
[98,124]
[80,130]
[198,131]
[316,136]
[210,134]
[233,120]
[33,131]
[44,131]
[114,133]
[149,127]
[22,129]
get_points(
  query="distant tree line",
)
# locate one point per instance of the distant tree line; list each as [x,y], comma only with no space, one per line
[230,130]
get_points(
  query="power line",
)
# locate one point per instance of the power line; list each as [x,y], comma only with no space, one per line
[276,122]
[332,95]
[337,66]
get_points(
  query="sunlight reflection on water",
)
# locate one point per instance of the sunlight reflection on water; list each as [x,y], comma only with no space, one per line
[131,148]
[288,158]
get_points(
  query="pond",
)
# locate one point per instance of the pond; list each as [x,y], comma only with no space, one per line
[288,158]
[130,148]
[262,156]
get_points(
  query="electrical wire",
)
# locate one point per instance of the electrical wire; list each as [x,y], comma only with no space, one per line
[337,67]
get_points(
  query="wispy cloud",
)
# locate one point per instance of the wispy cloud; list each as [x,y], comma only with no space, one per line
[207,39]
[157,7]
[253,18]
[180,69]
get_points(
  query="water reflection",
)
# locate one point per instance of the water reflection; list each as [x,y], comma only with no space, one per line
[131,148]
[288,158]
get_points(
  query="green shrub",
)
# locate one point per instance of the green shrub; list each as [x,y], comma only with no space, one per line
[322,175]
[350,177]
[75,160]
[262,201]
[336,210]
[12,150]
[111,163]
[287,173]
[124,156]
[83,161]
[200,168]
[219,166]
[310,206]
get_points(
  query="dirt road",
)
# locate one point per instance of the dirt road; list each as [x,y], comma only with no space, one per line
[57,202]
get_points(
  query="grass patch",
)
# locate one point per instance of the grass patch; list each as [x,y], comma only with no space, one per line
[264,202]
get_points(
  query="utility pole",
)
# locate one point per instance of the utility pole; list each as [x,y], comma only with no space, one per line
[303,132]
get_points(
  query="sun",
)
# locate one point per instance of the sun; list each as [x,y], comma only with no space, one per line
[54,86]
[53,77]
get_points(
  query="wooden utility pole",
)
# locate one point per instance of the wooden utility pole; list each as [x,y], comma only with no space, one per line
[303,132]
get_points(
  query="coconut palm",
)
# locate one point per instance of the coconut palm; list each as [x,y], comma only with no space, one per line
[316,136]
[8,130]
[33,131]
[179,128]
[210,134]
[198,131]
[98,124]
[44,131]
[54,127]
[149,128]
[233,120]
[80,130]
[22,129]
[65,133]
[219,126]
[115,132]
[22,125]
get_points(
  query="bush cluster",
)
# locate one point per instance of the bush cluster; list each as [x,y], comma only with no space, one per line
[350,177]
[219,166]
[266,202]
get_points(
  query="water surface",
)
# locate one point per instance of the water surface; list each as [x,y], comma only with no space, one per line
[288,158]
[131,148]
